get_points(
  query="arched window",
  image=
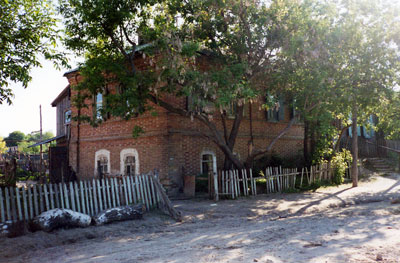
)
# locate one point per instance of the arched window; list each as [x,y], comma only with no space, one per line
[102,162]
[208,162]
[129,162]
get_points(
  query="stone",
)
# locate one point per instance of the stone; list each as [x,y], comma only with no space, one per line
[379,257]
[121,213]
[61,218]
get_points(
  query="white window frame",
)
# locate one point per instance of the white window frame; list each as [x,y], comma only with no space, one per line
[129,152]
[98,154]
[214,158]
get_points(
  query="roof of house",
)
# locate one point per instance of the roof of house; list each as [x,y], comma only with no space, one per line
[47,141]
[60,96]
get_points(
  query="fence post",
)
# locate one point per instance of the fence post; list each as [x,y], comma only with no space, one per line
[215,187]
[3,218]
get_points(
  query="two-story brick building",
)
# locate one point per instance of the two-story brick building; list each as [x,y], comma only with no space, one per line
[171,143]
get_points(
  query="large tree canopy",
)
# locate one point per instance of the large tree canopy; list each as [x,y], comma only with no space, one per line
[329,57]
[27,30]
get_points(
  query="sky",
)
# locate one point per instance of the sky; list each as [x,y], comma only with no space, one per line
[23,115]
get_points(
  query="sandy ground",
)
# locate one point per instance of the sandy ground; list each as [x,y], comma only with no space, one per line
[335,224]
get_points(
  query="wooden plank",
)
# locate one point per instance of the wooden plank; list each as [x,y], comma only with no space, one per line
[99,195]
[7,197]
[91,198]
[128,185]
[138,189]
[141,189]
[72,194]
[13,208]
[227,182]
[36,200]
[18,201]
[2,211]
[95,207]
[52,197]
[231,184]
[86,194]
[108,192]
[66,198]
[147,183]
[215,177]
[30,202]
[56,194]
[116,191]
[113,197]
[152,190]
[237,184]
[133,189]
[104,189]
[60,186]
[145,192]
[77,197]
[46,197]
[125,190]
[246,182]
[41,198]
[82,197]
[254,181]
[25,203]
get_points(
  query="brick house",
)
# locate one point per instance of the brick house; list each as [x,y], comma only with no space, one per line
[170,143]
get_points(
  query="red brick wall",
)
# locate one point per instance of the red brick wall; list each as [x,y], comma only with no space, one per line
[170,143]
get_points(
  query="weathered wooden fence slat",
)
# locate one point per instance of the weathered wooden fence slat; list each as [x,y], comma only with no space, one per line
[89,196]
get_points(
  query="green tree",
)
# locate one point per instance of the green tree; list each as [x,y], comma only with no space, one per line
[240,42]
[14,138]
[27,30]
[3,147]
[31,139]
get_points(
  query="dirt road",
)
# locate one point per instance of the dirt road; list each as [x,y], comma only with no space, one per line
[335,224]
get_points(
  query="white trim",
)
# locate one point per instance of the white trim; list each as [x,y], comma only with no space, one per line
[129,152]
[105,153]
[214,160]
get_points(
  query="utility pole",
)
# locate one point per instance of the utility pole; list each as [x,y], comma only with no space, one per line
[41,150]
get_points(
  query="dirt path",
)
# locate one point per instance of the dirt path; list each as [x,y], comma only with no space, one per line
[336,224]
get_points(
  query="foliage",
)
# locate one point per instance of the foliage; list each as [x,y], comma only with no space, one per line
[3,147]
[340,162]
[14,138]
[23,147]
[27,30]
[330,58]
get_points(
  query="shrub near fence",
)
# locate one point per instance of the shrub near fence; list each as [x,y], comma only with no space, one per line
[89,197]
[233,183]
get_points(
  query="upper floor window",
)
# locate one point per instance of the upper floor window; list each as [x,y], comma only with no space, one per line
[99,105]
[276,112]
[67,117]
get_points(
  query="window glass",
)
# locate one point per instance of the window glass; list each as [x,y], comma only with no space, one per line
[67,117]
[102,164]
[99,105]
[206,163]
[129,165]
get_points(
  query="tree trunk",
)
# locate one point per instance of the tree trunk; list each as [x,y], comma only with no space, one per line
[354,148]
[306,142]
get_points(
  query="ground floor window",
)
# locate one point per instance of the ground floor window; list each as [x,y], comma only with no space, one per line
[102,162]
[129,162]
[208,162]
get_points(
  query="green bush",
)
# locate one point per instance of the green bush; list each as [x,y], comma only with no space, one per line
[340,162]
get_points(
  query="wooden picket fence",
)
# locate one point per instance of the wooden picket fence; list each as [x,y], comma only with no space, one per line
[89,197]
[234,183]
